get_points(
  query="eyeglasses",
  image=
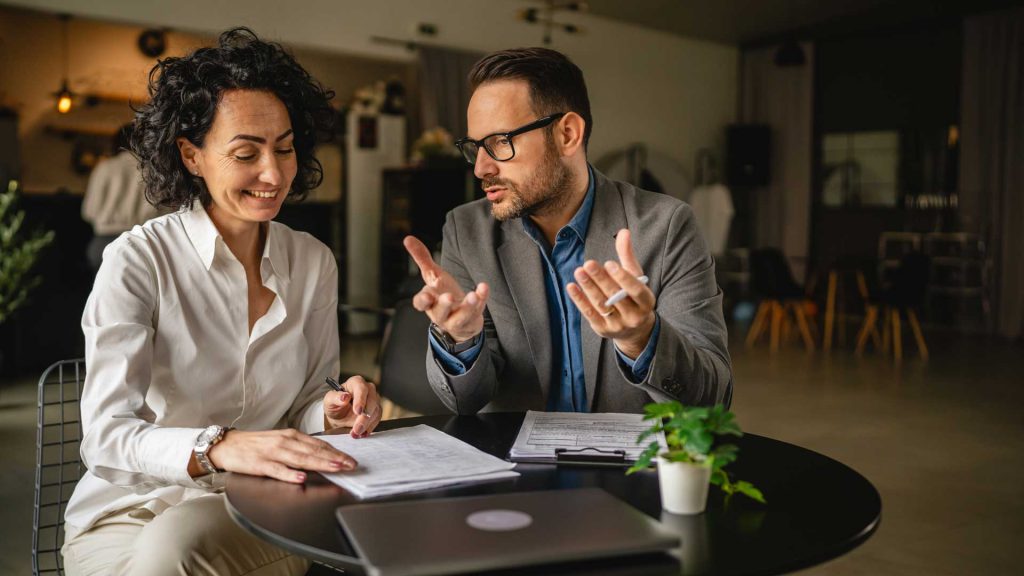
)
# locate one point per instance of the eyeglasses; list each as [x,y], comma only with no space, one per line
[499,145]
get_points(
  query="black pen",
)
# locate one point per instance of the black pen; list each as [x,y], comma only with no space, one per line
[334,385]
[338,387]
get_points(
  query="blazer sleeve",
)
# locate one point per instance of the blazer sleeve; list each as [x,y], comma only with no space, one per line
[465,393]
[691,363]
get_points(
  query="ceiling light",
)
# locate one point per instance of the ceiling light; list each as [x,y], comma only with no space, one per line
[65,97]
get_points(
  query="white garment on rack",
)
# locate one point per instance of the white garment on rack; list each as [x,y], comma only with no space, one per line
[712,205]
[114,199]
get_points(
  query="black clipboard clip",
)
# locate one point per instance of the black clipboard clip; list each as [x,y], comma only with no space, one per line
[590,455]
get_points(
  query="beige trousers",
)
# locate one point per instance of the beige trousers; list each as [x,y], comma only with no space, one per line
[196,537]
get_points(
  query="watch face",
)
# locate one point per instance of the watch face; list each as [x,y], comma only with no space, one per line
[207,436]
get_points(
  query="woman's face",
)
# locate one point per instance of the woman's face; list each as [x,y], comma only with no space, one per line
[247,160]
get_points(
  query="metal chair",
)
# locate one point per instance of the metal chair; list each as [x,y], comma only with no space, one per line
[58,464]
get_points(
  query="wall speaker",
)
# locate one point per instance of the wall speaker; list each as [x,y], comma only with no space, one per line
[748,153]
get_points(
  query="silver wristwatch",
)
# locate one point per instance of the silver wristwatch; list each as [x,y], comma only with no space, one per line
[207,439]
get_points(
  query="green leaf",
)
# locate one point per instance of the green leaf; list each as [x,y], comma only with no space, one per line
[699,442]
[643,461]
[748,489]
[662,409]
[725,454]
[18,255]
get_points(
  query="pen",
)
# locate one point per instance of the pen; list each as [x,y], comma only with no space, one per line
[339,388]
[334,385]
[621,294]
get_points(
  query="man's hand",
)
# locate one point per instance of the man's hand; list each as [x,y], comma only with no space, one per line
[458,313]
[630,321]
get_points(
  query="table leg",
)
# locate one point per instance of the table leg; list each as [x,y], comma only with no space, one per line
[916,327]
[830,310]
[777,316]
[897,337]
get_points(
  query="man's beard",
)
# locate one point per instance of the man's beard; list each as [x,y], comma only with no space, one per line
[546,192]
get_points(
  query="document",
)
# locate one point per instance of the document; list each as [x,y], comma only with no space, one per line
[580,435]
[411,459]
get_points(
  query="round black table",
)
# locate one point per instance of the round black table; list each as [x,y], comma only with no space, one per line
[817,508]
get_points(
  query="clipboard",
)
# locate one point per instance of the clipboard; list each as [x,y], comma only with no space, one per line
[586,456]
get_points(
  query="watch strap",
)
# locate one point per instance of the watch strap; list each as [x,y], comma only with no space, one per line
[449,344]
[202,454]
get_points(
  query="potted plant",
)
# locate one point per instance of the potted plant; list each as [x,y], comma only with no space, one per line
[694,460]
[18,253]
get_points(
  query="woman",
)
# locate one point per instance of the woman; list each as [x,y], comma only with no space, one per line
[210,331]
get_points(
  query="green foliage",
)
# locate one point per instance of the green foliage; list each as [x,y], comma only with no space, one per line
[17,254]
[690,434]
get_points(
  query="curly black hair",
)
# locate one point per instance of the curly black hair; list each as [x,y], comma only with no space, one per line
[183,97]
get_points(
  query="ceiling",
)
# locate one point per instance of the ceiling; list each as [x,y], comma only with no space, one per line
[750,21]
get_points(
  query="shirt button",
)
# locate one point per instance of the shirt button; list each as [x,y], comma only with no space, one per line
[565,372]
[563,235]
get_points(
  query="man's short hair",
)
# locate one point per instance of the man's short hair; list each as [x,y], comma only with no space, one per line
[556,84]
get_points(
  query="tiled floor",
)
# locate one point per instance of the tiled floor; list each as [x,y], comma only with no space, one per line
[942,442]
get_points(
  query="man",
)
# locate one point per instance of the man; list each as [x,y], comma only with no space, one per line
[114,200]
[518,302]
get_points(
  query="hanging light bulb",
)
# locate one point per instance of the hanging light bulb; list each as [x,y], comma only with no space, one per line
[65,98]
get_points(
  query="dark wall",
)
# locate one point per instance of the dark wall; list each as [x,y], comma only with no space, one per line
[906,80]
[887,80]
[48,327]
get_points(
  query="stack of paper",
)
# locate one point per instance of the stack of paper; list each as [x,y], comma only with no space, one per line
[544,432]
[410,459]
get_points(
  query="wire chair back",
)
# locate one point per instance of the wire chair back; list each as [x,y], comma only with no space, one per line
[58,464]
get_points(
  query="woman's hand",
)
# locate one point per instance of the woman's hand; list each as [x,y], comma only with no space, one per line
[280,454]
[357,406]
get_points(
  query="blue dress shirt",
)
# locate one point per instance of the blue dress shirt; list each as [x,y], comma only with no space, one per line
[569,392]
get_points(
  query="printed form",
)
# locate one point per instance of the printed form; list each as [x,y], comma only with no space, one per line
[411,459]
[544,432]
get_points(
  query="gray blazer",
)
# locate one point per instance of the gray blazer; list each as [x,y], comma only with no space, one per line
[513,371]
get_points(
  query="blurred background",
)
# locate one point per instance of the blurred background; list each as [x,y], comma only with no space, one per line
[856,166]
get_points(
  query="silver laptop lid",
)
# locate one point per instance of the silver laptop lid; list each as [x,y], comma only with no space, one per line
[458,535]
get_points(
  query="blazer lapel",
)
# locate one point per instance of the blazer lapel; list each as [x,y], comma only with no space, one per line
[606,220]
[521,264]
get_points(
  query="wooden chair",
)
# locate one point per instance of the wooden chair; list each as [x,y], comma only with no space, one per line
[772,280]
[905,295]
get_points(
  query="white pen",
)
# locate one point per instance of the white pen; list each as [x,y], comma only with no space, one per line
[621,294]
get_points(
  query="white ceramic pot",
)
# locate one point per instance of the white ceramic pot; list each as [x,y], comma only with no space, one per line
[684,486]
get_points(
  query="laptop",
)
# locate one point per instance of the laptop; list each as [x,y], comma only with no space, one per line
[471,534]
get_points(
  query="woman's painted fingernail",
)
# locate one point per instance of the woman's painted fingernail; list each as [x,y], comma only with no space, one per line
[300,477]
[358,430]
[337,464]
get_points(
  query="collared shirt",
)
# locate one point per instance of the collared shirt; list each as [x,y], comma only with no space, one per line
[568,393]
[169,352]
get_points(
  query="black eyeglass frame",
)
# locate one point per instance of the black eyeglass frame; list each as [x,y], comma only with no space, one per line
[540,123]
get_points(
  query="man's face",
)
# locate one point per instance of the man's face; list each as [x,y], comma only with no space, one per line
[536,181]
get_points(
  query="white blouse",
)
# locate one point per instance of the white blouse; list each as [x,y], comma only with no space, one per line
[168,352]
